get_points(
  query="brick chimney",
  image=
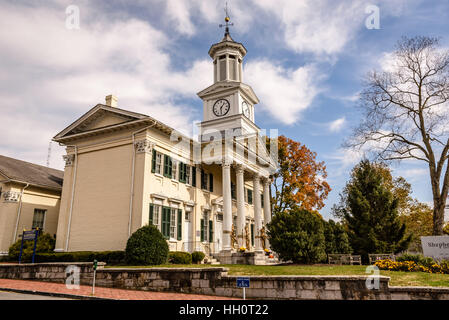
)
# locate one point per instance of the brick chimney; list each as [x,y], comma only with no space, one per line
[111,100]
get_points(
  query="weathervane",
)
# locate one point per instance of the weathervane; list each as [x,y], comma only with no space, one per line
[227,19]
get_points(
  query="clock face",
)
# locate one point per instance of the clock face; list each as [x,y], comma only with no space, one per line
[245,108]
[221,107]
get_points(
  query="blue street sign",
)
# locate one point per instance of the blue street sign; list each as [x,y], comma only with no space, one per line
[242,282]
[29,235]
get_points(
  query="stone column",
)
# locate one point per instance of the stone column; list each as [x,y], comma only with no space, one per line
[227,206]
[240,227]
[257,212]
[266,200]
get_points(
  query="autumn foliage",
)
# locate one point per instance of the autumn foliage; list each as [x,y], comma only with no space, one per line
[299,181]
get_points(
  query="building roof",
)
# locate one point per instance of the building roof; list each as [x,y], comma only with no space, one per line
[26,172]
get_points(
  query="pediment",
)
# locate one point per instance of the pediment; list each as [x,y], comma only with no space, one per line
[222,86]
[100,119]
[101,116]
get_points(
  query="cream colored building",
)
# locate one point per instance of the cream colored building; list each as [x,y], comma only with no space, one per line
[125,170]
[29,198]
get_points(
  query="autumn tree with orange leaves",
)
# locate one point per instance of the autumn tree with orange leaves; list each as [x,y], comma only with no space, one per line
[299,181]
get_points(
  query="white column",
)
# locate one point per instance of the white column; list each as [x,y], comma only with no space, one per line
[266,200]
[257,212]
[240,227]
[227,207]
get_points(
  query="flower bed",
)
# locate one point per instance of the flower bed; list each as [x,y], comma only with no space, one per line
[411,266]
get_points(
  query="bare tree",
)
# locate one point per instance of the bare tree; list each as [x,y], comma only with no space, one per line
[406,113]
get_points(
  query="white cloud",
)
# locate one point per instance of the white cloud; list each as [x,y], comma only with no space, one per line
[49,75]
[337,125]
[319,27]
[284,93]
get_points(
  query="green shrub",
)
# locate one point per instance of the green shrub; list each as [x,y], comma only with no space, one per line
[179,257]
[298,236]
[45,243]
[110,257]
[146,246]
[416,258]
[197,256]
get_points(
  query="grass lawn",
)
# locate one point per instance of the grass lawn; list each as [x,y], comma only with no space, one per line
[398,278]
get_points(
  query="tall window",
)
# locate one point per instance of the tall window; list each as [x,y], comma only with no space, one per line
[204,226]
[188,175]
[207,181]
[158,168]
[155,215]
[175,165]
[250,196]
[173,213]
[38,219]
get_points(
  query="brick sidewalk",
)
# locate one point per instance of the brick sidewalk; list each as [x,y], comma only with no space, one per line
[108,293]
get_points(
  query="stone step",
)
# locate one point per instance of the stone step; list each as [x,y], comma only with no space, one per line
[211,260]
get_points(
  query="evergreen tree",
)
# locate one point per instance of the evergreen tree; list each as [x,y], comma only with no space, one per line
[370,213]
[297,236]
[337,240]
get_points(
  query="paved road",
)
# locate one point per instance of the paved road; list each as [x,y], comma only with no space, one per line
[4,295]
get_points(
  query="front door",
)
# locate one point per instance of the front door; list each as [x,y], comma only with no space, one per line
[187,236]
[218,232]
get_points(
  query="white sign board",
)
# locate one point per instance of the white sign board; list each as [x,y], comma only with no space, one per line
[436,247]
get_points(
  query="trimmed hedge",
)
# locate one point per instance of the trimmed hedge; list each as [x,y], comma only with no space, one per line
[197,256]
[179,257]
[146,246]
[110,257]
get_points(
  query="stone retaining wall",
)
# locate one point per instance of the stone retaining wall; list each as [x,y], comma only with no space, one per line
[216,281]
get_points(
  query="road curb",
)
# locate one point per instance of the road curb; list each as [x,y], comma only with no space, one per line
[54,294]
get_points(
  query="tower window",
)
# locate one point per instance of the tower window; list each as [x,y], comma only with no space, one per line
[232,68]
[222,69]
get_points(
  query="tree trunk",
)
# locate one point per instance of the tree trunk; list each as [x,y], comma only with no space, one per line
[438,216]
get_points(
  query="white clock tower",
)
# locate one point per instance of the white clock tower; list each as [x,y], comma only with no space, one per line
[228,103]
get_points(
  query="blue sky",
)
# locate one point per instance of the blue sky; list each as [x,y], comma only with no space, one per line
[305,61]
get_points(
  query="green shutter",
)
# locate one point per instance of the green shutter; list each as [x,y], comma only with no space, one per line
[202,230]
[166,222]
[194,176]
[153,162]
[203,179]
[179,224]
[250,196]
[182,172]
[167,166]
[252,234]
[151,214]
[211,231]
[211,182]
